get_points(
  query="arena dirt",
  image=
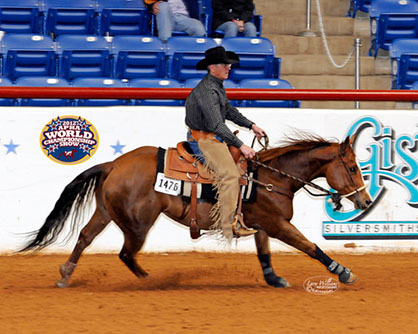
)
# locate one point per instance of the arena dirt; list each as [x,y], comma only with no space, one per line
[206,293]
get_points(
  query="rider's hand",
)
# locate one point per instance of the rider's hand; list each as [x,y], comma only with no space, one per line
[259,132]
[155,8]
[248,152]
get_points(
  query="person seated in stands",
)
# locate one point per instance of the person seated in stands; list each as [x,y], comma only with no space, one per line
[174,15]
[233,17]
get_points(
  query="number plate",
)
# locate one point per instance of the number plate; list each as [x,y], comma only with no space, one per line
[167,186]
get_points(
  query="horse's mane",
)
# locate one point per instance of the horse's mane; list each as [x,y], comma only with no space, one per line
[300,141]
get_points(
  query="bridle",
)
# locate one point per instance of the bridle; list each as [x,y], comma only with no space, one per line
[335,197]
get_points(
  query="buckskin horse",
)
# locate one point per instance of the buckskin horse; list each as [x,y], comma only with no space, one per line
[124,192]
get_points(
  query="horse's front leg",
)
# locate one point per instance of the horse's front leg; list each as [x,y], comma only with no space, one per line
[288,233]
[264,256]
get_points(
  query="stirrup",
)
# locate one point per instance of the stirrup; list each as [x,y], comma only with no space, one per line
[239,229]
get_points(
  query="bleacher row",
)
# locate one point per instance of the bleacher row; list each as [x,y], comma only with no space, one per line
[100,17]
[111,43]
[394,28]
[127,59]
[57,17]
[41,81]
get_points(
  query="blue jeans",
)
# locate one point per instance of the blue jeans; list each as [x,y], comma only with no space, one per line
[167,22]
[231,29]
[195,147]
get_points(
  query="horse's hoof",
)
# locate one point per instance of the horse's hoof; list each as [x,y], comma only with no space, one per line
[283,283]
[347,277]
[278,282]
[62,283]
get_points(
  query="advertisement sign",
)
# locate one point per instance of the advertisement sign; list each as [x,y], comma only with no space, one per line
[44,149]
[390,166]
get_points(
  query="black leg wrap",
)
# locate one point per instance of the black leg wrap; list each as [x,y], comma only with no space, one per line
[322,257]
[335,268]
[269,275]
[344,274]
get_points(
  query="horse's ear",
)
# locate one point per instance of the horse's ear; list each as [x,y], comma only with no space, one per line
[346,143]
[349,141]
[353,139]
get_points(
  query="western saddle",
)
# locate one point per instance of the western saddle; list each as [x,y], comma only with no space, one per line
[182,164]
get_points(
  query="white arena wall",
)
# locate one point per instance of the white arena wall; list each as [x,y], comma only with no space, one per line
[386,146]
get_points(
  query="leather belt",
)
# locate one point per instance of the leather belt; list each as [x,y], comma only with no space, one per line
[197,135]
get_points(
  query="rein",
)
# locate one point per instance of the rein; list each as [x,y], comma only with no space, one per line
[335,198]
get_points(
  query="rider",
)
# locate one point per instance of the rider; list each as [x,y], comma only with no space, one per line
[207,108]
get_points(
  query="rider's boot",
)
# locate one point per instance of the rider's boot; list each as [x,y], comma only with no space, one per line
[239,229]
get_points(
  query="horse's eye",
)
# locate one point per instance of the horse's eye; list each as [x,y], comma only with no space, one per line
[352,169]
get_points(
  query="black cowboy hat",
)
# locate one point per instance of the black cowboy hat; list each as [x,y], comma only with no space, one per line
[217,55]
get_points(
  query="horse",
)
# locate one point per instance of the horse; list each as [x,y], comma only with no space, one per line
[124,193]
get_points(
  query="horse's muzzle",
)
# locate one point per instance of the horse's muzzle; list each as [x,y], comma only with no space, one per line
[363,204]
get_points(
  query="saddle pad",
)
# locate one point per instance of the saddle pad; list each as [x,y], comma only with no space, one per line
[204,191]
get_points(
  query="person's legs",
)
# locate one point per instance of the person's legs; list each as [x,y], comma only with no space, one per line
[164,21]
[189,25]
[250,30]
[227,176]
[229,28]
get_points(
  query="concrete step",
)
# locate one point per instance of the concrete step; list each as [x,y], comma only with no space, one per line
[377,82]
[299,45]
[277,8]
[341,82]
[293,24]
[321,65]
[373,82]
[362,27]
[305,62]
[378,105]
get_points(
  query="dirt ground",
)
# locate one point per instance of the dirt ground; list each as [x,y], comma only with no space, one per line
[206,293]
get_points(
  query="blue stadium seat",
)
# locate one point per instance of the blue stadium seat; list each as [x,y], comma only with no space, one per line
[184,52]
[268,84]
[43,82]
[4,82]
[27,55]
[21,16]
[70,17]
[138,57]
[192,83]
[123,17]
[404,62]
[83,56]
[103,83]
[355,5]
[392,19]
[257,58]
[156,83]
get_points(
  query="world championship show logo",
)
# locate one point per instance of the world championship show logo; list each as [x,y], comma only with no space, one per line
[69,140]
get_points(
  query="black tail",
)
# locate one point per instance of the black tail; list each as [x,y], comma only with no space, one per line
[75,195]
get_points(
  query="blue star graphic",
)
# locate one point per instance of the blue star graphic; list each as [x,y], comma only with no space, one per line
[118,148]
[11,147]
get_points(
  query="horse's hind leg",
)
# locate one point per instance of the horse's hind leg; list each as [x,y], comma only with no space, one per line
[264,256]
[133,243]
[97,223]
